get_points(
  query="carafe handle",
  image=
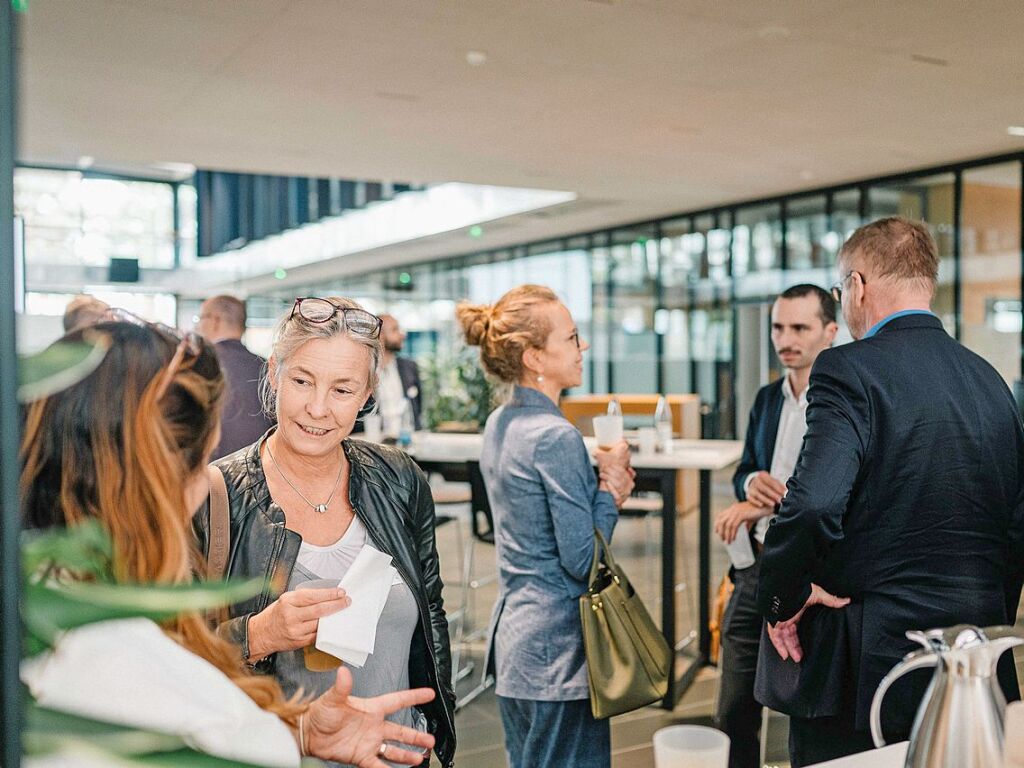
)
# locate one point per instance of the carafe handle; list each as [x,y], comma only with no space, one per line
[912,661]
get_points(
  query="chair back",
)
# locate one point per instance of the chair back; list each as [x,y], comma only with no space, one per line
[481,519]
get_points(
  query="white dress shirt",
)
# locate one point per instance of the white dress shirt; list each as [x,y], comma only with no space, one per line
[789,439]
[391,399]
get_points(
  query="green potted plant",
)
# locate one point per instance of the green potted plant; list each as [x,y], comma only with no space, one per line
[457,394]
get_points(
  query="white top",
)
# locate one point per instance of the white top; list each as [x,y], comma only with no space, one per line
[390,399]
[128,672]
[789,439]
[334,560]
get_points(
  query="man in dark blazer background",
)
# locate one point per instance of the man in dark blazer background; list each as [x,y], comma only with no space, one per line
[906,509]
[222,321]
[803,324]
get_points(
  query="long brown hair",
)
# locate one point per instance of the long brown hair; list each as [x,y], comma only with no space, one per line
[120,446]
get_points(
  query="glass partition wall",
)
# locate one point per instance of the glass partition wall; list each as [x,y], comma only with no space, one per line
[683,304]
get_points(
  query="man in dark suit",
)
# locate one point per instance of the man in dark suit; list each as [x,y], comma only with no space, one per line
[905,511]
[803,325]
[222,321]
[399,387]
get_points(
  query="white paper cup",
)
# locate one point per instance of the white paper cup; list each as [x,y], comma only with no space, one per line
[739,549]
[648,440]
[607,430]
[690,746]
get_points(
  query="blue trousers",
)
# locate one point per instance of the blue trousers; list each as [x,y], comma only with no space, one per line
[554,734]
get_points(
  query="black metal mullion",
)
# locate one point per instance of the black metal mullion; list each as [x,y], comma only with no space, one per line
[958,199]
[1020,236]
[10,523]
[659,305]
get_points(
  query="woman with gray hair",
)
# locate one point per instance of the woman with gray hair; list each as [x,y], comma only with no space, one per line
[305,499]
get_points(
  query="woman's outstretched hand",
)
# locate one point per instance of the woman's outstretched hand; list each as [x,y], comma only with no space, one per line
[347,729]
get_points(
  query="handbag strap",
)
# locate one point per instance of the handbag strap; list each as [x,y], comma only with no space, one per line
[601,552]
[220,528]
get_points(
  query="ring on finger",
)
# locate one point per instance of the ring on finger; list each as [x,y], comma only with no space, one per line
[382,749]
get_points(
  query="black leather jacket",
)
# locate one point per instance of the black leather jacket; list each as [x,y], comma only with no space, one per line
[391,497]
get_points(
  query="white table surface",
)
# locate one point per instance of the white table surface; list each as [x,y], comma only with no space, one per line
[886,757]
[685,454]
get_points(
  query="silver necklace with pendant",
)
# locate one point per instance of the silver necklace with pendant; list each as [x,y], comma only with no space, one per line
[318,508]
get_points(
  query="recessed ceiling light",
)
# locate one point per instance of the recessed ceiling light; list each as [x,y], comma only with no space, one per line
[1016,130]
[86,161]
[476,58]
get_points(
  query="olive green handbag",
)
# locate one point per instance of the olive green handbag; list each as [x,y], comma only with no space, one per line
[628,660]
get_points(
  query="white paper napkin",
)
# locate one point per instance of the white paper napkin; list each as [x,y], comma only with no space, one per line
[350,634]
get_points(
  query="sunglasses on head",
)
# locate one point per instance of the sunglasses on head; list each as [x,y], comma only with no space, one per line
[188,343]
[315,310]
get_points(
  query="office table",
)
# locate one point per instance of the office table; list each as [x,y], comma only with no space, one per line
[655,472]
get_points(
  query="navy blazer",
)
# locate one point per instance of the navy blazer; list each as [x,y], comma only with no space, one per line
[908,497]
[759,447]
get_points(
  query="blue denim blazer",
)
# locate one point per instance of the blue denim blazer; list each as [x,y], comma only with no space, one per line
[543,492]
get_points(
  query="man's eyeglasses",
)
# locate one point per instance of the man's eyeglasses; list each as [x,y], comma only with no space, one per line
[837,289]
[314,310]
[188,343]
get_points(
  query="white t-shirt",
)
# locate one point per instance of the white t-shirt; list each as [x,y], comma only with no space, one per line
[128,672]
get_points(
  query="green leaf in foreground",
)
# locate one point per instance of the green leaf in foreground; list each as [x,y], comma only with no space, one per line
[84,549]
[47,731]
[59,366]
[52,608]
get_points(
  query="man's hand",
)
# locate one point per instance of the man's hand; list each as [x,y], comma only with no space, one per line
[729,520]
[765,491]
[783,634]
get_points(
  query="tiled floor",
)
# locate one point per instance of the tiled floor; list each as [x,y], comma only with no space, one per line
[478,724]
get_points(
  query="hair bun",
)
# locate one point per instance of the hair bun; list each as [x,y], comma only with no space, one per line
[475,320]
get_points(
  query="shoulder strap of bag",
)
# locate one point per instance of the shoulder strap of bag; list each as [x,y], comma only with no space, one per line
[602,552]
[220,529]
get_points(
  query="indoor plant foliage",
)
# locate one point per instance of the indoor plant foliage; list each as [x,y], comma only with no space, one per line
[456,391]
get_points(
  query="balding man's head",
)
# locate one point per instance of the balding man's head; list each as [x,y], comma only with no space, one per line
[222,317]
[83,311]
[894,249]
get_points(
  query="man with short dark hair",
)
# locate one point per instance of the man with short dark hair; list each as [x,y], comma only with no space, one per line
[83,311]
[222,321]
[803,325]
[906,509]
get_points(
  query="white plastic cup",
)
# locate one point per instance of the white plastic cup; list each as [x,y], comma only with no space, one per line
[373,427]
[690,746]
[739,549]
[648,440]
[607,430]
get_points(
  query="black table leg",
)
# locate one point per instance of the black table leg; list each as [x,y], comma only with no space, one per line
[667,488]
[677,686]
